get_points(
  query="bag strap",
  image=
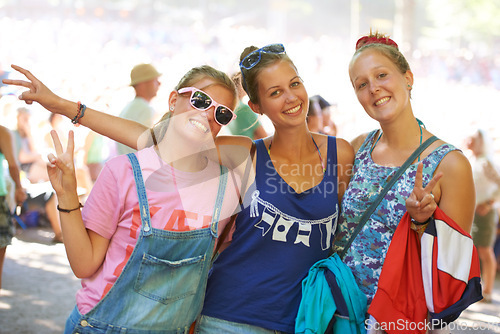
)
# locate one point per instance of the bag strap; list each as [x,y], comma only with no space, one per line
[229,225]
[388,186]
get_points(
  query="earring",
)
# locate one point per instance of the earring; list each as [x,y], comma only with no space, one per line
[409,86]
[171,108]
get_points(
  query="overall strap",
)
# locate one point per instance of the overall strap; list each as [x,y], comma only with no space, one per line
[219,200]
[227,228]
[141,194]
[388,186]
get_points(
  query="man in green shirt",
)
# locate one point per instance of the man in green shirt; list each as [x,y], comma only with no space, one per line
[247,123]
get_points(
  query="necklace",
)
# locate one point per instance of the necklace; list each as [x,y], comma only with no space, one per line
[317,148]
[420,125]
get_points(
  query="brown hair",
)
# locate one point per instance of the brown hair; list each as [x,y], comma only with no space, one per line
[236,77]
[250,81]
[314,108]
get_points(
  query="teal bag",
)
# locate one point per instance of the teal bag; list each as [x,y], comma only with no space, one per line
[318,310]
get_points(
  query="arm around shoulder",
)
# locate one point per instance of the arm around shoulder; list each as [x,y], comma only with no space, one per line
[233,150]
[457,195]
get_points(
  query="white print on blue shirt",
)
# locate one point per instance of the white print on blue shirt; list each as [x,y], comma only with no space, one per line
[284,222]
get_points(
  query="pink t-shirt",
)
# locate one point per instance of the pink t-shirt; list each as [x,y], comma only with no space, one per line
[178,201]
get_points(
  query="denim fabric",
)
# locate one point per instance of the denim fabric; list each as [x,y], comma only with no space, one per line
[209,325]
[162,286]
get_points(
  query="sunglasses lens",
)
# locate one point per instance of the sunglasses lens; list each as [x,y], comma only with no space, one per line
[254,57]
[274,48]
[223,115]
[201,100]
[251,60]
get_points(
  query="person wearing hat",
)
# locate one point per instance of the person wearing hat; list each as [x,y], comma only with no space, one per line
[144,80]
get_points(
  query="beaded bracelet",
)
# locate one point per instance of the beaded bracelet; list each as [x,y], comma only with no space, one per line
[80,205]
[80,113]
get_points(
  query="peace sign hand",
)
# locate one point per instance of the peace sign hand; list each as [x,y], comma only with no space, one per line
[37,91]
[61,170]
[421,204]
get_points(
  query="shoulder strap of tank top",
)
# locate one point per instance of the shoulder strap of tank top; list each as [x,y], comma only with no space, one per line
[229,225]
[369,140]
[332,157]
[261,149]
[381,195]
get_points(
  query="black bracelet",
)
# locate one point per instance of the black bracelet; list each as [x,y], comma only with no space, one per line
[419,223]
[67,211]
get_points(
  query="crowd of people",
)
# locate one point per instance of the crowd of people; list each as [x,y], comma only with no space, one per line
[463,67]
[284,201]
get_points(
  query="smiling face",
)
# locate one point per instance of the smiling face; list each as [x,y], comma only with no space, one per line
[381,88]
[196,124]
[282,95]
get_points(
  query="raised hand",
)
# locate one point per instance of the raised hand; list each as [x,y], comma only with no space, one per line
[421,204]
[61,170]
[37,91]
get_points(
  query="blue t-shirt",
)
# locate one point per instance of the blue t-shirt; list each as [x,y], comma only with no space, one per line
[257,280]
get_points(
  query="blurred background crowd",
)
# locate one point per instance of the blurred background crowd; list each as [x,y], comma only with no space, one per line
[84,50]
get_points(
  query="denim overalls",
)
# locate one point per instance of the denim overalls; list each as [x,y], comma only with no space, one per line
[162,287]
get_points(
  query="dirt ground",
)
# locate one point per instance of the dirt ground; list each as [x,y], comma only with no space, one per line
[38,285]
[39,290]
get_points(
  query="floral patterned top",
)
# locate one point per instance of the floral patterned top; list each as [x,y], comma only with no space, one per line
[366,255]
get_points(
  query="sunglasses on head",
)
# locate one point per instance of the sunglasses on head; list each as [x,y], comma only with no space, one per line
[253,58]
[202,101]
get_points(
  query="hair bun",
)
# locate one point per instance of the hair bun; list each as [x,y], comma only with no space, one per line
[375,38]
[247,51]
